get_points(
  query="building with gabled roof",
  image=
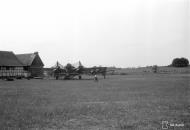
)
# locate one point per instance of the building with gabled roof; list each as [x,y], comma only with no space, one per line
[10,65]
[32,63]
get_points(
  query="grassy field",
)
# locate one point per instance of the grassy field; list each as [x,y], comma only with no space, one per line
[161,69]
[128,102]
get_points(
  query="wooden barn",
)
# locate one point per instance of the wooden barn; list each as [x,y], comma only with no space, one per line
[32,63]
[10,66]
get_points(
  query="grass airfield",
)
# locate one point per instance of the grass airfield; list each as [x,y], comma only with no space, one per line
[128,102]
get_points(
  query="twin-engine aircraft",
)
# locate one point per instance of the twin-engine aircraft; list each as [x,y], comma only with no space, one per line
[72,70]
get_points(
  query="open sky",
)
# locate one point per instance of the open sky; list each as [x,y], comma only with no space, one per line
[122,33]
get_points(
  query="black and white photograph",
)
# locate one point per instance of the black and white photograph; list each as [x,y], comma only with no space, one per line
[94,64]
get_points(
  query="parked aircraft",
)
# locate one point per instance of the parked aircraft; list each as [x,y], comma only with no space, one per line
[72,70]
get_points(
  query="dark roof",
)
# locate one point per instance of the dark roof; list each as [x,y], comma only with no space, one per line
[27,59]
[8,58]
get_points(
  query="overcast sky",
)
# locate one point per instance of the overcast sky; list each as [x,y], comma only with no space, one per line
[121,33]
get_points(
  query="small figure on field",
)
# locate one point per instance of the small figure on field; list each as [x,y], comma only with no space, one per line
[95,78]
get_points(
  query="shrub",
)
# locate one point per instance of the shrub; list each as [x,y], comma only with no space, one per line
[180,62]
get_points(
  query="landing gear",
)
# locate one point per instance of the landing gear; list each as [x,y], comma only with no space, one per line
[80,77]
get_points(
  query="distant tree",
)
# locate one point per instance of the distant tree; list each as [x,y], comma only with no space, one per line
[180,62]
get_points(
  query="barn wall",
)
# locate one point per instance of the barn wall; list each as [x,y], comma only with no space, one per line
[11,71]
[37,62]
[36,71]
[36,68]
